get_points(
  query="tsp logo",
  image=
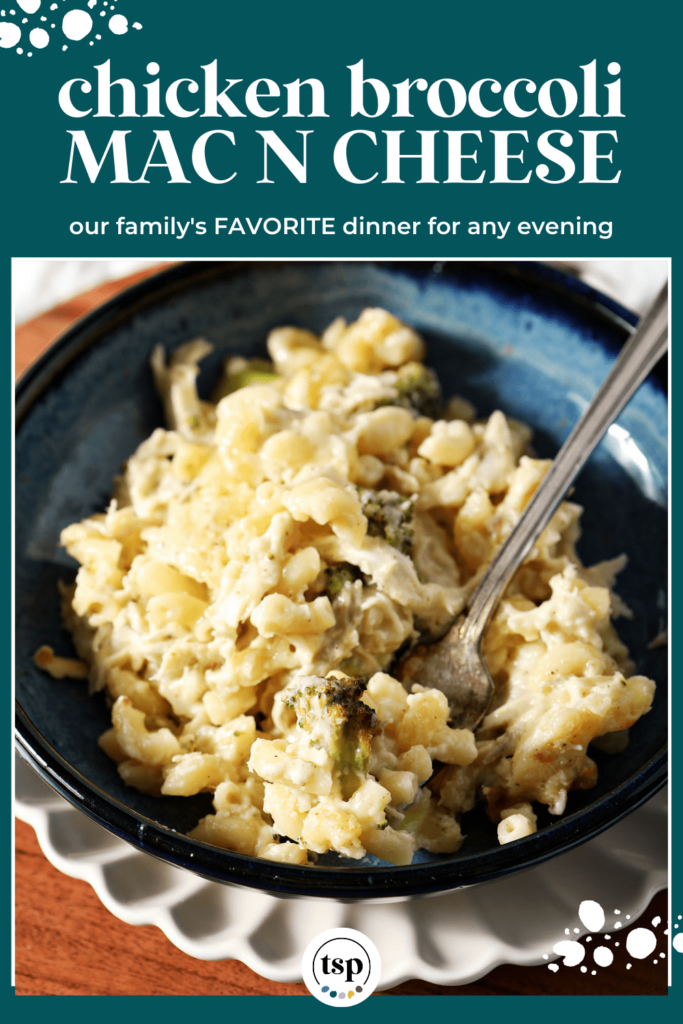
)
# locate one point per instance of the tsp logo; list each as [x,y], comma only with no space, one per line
[341,967]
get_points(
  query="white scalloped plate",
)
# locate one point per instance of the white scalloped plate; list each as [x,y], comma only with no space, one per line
[446,940]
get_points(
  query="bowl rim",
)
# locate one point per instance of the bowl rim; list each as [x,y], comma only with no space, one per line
[341,883]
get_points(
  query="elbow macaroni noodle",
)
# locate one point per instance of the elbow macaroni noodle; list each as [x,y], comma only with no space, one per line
[203,593]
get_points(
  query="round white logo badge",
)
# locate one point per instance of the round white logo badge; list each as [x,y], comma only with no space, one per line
[341,967]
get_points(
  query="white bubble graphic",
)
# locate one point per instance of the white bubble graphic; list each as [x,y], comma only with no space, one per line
[603,956]
[76,24]
[655,921]
[10,34]
[118,24]
[592,915]
[39,38]
[553,967]
[640,943]
[678,942]
[573,952]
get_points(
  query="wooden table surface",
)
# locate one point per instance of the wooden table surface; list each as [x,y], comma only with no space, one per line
[68,944]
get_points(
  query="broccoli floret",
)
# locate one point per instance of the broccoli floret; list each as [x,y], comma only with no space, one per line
[356,665]
[253,371]
[335,718]
[390,516]
[338,575]
[418,389]
[416,813]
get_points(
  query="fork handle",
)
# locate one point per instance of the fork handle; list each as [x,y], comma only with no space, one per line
[647,344]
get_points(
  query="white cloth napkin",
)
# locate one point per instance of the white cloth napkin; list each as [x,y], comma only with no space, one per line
[38,285]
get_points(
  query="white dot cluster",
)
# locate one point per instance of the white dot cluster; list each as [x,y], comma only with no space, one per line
[76,25]
[641,943]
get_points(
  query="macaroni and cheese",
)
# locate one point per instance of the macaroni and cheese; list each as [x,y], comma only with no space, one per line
[265,557]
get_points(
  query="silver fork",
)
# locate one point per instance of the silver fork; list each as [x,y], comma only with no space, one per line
[454,663]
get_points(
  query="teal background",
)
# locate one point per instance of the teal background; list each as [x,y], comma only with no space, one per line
[396,40]
[301,40]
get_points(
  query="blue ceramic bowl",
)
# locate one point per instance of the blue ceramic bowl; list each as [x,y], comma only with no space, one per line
[519,337]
